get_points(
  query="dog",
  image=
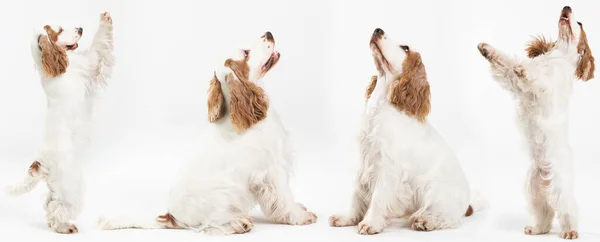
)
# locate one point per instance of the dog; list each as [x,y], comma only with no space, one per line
[543,84]
[70,80]
[248,159]
[406,168]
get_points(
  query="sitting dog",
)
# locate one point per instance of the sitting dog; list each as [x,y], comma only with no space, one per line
[407,170]
[543,85]
[248,159]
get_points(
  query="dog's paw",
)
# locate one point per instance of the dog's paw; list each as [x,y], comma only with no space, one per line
[485,49]
[242,225]
[105,18]
[422,224]
[304,218]
[342,221]
[365,228]
[570,234]
[530,230]
[66,229]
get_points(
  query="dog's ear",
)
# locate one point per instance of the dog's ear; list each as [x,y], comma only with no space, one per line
[240,68]
[248,104]
[539,46]
[409,92]
[371,87]
[216,100]
[54,57]
[586,66]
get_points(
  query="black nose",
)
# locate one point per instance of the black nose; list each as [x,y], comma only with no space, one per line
[378,31]
[566,8]
[269,36]
[80,30]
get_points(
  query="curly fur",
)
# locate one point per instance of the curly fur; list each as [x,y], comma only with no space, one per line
[409,92]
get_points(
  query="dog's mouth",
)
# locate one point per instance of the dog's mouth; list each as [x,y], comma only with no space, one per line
[72,47]
[564,19]
[271,62]
[565,16]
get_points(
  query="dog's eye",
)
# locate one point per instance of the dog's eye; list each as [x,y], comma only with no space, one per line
[405,48]
[246,53]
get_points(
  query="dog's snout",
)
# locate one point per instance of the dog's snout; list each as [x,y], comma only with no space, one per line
[567,8]
[378,31]
[269,36]
[80,30]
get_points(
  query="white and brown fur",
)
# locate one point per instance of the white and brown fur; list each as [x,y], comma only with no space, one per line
[246,161]
[69,79]
[406,168]
[543,84]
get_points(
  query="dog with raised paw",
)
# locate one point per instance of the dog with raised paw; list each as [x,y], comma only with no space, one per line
[543,84]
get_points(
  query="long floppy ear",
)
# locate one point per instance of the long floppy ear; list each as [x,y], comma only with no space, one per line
[539,46]
[371,87]
[248,104]
[54,58]
[409,92]
[586,66]
[216,100]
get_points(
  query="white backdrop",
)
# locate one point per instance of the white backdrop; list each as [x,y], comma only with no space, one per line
[153,112]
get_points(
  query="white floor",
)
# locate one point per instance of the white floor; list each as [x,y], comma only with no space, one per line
[122,187]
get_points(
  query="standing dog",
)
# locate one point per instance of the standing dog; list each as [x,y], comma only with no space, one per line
[69,79]
[543,85]
[406,169]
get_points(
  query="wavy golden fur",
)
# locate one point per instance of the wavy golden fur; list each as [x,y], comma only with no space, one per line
[586,66]
[539,46]
[248,103]
[54,58]
[409,92]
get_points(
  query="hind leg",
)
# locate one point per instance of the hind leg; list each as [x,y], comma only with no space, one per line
[443,208]
[58,216]
[63,203]
[238,225]
[540,209]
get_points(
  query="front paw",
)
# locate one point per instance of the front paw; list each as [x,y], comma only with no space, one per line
[303,218]
[105,18]
[342,221]
[367,228]
[570,234]
[486,50]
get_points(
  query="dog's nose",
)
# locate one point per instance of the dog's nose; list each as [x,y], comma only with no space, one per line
[378,31]
[269,36]
[566,8]
[80,30]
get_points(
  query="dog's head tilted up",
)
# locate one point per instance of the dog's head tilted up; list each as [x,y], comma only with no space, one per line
[236,93]
[54,43]
[409,89]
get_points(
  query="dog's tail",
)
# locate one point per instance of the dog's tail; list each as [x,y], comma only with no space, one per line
[166,221]
[36,173]
[478,203]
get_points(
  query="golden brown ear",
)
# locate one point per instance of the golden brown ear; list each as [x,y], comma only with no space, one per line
[371,87]
[539,46]
[216,100]
[54,57]
[585,67]
[409,92]
[239,67]
[248,104]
